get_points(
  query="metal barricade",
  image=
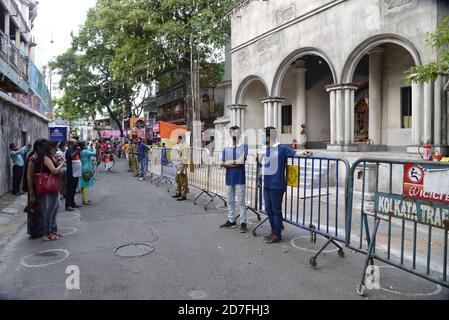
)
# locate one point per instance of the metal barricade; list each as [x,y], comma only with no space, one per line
[402,209]
[315,199]
[199,172]
[217,180]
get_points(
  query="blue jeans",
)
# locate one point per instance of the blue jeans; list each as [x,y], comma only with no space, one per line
[273,207]
[239,192]
[49,208]
[143,166]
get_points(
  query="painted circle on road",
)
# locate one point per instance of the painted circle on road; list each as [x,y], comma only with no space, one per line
[44,258]
[68,231]
[292,242]
[407,294]
[69,216]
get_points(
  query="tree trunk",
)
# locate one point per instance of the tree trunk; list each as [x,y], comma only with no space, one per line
[116,120]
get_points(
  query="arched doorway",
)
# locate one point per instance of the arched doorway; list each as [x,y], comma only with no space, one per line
[301,81]
[383,105]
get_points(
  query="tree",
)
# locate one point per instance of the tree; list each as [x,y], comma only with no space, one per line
[439,41]
[88,83]
[159,37]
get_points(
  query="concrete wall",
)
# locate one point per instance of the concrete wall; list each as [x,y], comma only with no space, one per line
[254,113]
[317,109]
[334,28]
[14,121]
[395,62]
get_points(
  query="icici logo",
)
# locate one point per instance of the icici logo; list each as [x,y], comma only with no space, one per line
[414,191]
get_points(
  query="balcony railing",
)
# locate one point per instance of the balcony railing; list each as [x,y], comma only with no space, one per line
[12,55]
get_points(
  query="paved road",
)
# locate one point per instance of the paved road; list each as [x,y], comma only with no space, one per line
[192,257]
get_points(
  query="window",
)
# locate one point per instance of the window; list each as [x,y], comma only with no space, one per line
[406,107]
[287,119]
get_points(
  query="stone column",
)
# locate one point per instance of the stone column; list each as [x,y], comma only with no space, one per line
[7,24]
[333,114]
[340,113]
[267,106]
[416,113]
[274,116]
[349,91]
[375,95]
[438,92]
[301,108]
[17,39]
[427,112]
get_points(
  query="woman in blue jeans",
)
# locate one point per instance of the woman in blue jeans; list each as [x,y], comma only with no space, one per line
[275,184]
[49,203]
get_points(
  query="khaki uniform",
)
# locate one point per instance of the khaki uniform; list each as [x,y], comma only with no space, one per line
[181,169]
[132,158]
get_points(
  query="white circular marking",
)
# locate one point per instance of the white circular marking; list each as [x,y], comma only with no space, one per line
[292,242]
[73,230]
[437,290]
[74,214]
[22,261]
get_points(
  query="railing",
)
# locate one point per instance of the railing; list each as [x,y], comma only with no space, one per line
[11,54]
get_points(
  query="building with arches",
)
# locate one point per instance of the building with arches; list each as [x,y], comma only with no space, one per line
[338,66]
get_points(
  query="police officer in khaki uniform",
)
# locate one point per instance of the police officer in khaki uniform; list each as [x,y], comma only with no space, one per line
[181,170]
[132,153]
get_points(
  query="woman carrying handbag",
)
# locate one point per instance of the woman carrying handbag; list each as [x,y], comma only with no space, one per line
[48,184]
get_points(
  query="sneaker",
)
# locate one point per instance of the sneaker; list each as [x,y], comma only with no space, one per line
[176,196]
[243,228]
[273,239]
[182,199]
[69,209]
[141,179]
[229,225]
[76,206]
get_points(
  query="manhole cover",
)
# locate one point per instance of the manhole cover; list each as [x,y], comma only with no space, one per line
[133,250]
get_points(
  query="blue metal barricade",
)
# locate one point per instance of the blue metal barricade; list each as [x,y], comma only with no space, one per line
[315,199]
[401,209]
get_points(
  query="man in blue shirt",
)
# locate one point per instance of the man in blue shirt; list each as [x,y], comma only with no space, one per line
[275,184]
[17,156]
[233,159]
[142,155]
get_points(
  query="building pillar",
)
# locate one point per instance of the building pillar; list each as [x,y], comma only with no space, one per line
[17,39]
[301,108]
[438,93]
[333,114]
[375,96]
[428,112]
[443,111]
[7,24]
[340,113]
[417,89]
[349,92]
[274,116]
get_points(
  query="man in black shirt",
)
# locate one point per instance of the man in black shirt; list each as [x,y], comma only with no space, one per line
[73,173]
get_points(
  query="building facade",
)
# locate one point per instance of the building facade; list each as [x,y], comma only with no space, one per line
[338,66]
[24,97]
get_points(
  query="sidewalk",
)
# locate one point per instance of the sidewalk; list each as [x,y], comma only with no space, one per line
[12,216]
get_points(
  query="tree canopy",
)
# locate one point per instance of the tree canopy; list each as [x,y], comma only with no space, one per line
[125,45]
[438,41]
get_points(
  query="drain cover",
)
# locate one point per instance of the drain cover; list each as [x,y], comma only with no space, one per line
[133,250]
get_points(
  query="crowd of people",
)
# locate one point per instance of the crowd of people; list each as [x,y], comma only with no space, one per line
[52,171]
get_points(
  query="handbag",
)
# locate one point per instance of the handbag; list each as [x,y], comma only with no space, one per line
[46,183]
[88,175]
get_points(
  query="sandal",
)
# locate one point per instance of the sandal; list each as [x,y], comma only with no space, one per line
[50,237]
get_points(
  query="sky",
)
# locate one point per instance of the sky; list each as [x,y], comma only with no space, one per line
[56,19]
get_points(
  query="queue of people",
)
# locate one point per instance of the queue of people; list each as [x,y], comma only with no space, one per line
[274,161]
[49,172]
